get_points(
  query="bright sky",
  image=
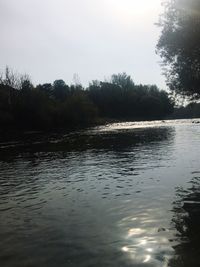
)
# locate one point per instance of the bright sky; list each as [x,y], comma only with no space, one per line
[55,39]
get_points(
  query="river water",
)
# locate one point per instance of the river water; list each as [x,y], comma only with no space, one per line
[124,194]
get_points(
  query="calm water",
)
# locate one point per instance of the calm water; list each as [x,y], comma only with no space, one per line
[119,195]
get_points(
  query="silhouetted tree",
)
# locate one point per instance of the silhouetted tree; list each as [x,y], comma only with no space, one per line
[122,99]
[179,46]
[26,85]
[46,88]
[60,90]
[123,80]
[192,110]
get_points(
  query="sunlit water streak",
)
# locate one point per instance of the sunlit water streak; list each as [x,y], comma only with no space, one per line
[106,196]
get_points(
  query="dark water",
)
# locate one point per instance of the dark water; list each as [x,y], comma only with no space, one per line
[120,195]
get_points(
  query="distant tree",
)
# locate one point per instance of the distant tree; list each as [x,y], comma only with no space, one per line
[10,78]
[26,85]
[123,80]
[151,106]
[45,88]
[179,46]
[79,109]
[60,90]
[15,80]
[74,88]
[76,79]
[192,110]
[121,98]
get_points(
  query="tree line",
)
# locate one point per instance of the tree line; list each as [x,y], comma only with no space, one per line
[190,111]
[58,105]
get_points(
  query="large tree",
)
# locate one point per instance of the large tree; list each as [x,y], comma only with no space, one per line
[179,46]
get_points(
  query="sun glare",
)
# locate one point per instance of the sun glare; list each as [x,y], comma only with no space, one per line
[130,11]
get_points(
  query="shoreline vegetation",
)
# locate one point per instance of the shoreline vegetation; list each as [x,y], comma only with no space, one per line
[60,107]
[56,106]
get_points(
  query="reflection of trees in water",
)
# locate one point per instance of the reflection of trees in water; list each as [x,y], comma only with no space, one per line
[115,141]
[187,222]
[25,165]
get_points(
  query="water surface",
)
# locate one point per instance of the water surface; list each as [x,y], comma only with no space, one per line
[123,194]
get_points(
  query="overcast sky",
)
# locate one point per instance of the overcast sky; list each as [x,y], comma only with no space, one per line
[55,39]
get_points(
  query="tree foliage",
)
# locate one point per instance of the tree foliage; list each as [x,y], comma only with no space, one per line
[58,105]
[179,46]
[122,99]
